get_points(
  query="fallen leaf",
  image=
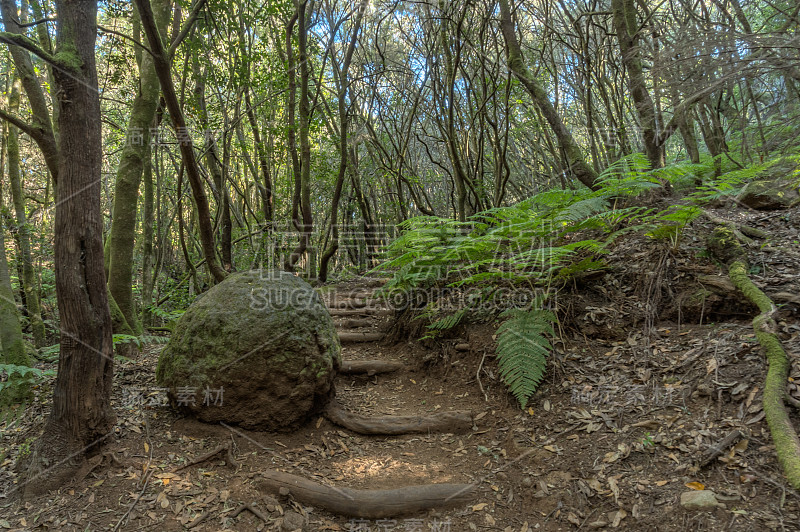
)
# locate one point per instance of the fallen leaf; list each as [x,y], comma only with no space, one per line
[618,516]
[695,486]
[612,483]
[711,365]
[479,507]
[661,482]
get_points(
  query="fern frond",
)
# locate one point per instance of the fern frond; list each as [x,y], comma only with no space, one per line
[522,349]
[448,322]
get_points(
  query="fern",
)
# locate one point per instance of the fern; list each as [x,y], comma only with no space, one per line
[448,322]
[22,376]
[522,349]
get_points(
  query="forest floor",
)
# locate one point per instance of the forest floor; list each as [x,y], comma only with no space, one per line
[630,404]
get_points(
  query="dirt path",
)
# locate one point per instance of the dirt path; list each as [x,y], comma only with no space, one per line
[611,439]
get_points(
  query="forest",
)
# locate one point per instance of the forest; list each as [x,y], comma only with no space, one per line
[400,265]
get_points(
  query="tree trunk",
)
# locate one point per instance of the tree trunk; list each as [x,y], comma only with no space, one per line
[626,26]
[81,417]
[162,66]
[129,176]
[42,128]
[11,342]
[573,157]
[343,82]
[28,277]
[305,225]
[148,215]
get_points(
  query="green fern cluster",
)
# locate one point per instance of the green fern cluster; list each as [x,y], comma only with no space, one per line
[532,245]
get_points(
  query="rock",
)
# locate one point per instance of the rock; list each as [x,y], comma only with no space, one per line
[258,350]
[699,500]
[776,187]
[292,521]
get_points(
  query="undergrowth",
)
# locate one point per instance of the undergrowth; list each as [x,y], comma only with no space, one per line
[536,247]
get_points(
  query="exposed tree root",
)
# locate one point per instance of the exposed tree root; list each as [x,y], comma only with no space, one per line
[725,245]
[357,337]
[348,304]
[368,504]
[369,367]
[458,421]
[787,444]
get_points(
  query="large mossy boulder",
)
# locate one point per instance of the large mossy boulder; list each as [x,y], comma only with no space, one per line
[258,350]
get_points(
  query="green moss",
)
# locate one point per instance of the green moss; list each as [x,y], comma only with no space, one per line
[787,444]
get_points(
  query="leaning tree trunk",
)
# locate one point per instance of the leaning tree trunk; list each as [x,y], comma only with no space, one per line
[161,60]
[573,157]
[126,189]
[81,417]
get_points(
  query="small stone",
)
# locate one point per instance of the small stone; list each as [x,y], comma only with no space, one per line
[699,500]
[527,482]
[292,521]
[502,476]
[598,524]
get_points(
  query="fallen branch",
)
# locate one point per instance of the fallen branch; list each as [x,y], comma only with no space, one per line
[199,519]
[456,421]
[369,367]
[252,509]
[229,459]
[359,337]
[715,450]
[368,504]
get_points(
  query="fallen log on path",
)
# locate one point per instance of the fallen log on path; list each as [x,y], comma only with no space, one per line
[348,304]
[369,367]
[359,312]
[356,324]
[455,421]
[356,337]
[368,504]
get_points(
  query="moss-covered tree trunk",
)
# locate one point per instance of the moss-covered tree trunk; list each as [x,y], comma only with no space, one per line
[28,277]
[126,190]
[302,216]
[41,127]
[11,341]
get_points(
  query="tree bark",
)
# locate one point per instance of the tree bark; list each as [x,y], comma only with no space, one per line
[81,417]
[161,62]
